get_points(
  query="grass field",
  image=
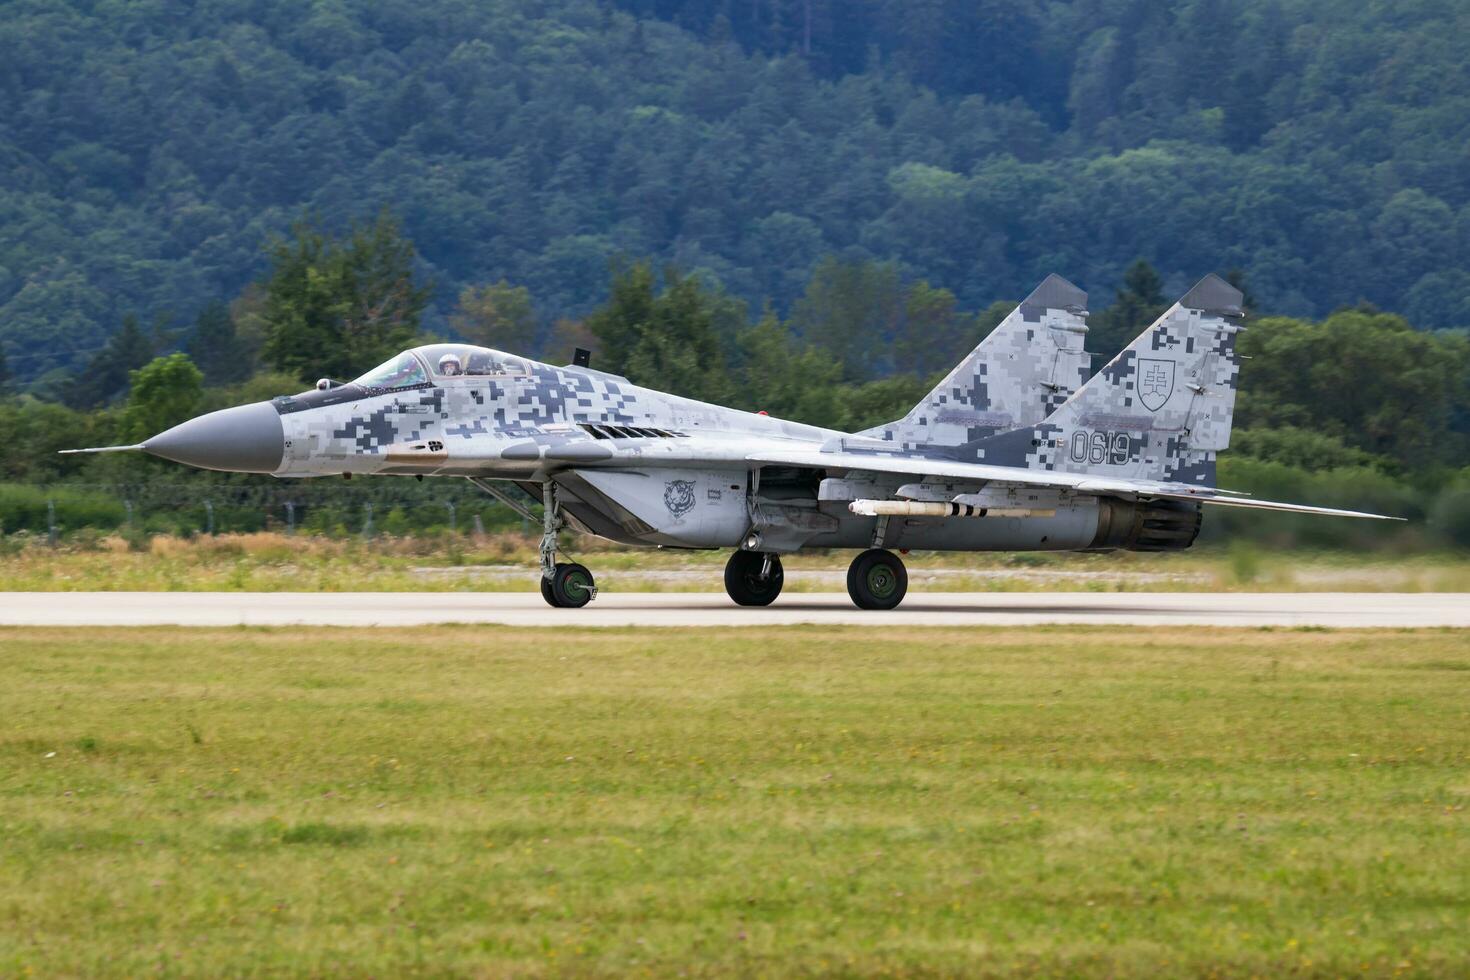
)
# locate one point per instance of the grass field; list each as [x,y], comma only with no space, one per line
[483,801]
[270,562]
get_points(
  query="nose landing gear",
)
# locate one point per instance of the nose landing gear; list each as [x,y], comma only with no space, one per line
[565,585]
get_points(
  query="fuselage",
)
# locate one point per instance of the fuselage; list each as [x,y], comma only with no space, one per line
[629,463]
[454,410]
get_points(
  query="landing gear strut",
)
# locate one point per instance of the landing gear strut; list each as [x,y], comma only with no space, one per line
[754,578]
[876,579]
[565,585]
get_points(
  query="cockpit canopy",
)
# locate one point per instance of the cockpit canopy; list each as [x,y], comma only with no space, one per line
[399,371]
[413,368]
[450,360]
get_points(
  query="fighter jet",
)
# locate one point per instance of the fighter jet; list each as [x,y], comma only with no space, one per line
[1011,452]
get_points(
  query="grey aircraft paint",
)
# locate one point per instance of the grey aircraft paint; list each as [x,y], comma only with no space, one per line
[1019,374]
[1161,410]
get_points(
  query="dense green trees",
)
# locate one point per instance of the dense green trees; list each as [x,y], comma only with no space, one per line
[672,333]
[106,375]
[498,315]
[1364,378]
[336,308]
[1137,304]
[150,152]
[216,347]
[875,324]
[162,394]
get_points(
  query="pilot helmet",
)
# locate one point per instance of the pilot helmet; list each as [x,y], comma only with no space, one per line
[449,364]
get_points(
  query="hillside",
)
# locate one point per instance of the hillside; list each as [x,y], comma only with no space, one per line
[150,150]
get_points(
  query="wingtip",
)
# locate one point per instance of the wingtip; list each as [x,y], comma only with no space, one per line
[1213,294]
[1056,293]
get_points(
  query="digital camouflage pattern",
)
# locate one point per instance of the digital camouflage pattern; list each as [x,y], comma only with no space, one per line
[505,418]
[1160,411]
[1018,375]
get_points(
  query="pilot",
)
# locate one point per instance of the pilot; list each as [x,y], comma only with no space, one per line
[449,365]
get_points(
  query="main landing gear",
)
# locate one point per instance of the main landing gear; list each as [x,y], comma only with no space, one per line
[876,579]
[754,578]
[566,585]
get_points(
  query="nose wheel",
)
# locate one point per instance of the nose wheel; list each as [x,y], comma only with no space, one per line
[876,579]
[753,578]
[571,586]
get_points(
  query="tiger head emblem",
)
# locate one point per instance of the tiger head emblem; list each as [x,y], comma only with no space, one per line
[679,497]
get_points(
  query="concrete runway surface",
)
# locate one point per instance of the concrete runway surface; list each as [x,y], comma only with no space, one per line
[1336,609]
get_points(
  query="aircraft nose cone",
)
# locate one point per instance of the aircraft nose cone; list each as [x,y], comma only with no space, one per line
[247,439]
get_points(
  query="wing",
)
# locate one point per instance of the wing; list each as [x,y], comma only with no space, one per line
[1080,482]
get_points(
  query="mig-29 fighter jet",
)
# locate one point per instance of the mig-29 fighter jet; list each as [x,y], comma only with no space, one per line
[1010,452]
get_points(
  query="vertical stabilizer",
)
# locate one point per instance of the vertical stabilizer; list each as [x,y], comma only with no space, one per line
[1161,410]
[1021,372]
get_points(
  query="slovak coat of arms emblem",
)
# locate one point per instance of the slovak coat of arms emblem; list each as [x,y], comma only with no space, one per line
[1155,382]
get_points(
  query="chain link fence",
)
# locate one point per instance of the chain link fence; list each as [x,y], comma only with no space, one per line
[338,508]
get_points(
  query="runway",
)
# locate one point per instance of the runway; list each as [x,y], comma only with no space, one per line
[1329,609]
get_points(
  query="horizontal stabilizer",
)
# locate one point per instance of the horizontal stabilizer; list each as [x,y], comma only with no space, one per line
[101,449]
[1254,504]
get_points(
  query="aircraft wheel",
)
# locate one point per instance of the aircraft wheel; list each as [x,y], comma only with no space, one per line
[743,579]
[546,592]
[572,586]
[876,579]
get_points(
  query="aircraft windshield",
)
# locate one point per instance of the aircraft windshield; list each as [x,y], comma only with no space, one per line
[453,360]
[402,371]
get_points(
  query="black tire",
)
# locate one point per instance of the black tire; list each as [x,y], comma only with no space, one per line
[876,579]
[546,592]
[572,586]
[743,580]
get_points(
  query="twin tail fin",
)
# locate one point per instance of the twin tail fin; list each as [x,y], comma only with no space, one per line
[1159,411]
[1017,376]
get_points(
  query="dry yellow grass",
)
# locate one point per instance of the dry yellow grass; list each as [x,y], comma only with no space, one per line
[278,562]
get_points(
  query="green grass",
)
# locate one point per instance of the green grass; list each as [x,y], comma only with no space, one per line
[486,801]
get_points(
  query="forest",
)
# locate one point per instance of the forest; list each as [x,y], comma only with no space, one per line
[808,207]
[151,151]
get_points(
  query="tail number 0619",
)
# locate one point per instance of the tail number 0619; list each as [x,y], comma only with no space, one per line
[1099,447]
